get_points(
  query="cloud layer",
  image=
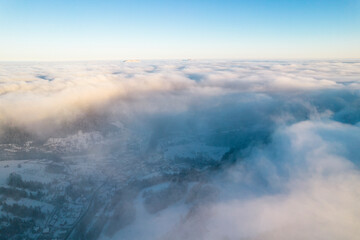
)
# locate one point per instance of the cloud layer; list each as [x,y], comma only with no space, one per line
[290,130]
[62,90]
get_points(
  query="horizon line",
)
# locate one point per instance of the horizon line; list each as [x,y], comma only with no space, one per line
[183,59]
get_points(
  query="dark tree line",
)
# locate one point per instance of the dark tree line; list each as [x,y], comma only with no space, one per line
[15,180]
[23,211]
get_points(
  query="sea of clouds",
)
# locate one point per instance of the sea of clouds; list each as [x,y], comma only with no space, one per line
[294,126]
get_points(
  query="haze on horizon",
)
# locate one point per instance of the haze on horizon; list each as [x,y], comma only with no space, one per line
[113,30]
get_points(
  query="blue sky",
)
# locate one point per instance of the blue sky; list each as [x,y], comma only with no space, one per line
[128,29]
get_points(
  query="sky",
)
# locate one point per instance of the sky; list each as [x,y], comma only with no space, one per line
[41,30]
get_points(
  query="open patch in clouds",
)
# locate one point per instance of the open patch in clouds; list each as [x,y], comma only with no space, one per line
[186,149]
[303,185]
